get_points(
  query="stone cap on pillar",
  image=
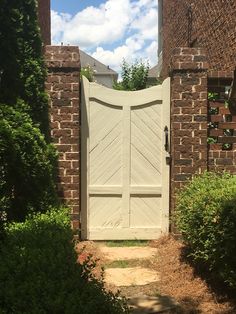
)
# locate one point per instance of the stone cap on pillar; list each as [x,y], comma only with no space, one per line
[188,59]
[58,57]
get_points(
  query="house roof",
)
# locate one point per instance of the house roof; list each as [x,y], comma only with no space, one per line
[98,67]
[153,71]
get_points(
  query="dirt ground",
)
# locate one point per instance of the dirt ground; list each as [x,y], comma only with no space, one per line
[177,279]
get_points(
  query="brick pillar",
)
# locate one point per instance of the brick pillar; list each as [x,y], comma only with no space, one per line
[188,116]
[63,88]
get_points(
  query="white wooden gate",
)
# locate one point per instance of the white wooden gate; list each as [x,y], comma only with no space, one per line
[125,176]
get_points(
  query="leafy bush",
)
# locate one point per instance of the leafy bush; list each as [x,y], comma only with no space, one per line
[134,76]
[39,273]
[22,69]
[88,73]
[26,165]
[26,160]
[206,216]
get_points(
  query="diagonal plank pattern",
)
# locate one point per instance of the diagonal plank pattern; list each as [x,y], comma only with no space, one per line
[125,177]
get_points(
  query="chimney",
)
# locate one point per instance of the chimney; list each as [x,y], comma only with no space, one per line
[45,20]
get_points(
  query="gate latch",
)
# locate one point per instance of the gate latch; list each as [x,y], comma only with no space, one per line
[166,131]
[167,147]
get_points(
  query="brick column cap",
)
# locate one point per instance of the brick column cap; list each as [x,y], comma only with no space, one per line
[189,59]
[62,57]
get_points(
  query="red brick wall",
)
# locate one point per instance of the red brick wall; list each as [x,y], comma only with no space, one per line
[188,116]
[63,87]
[213,28]
[195,119]
[222,125]
[45,20]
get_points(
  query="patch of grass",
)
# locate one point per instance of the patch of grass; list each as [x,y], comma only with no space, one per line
[118,264]
[128,243]
[129,263]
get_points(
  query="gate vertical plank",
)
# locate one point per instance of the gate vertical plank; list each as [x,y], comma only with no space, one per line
[84,157]
[126,168]
[165,166]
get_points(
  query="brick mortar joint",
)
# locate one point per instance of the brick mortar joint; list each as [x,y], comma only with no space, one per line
[61,68]
[61,49]
[189,51]
[174,72]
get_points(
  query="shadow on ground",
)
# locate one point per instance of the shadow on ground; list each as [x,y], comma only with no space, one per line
[220,290]
[151,304]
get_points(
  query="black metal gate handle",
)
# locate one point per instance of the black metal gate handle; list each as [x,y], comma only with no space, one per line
[166,138]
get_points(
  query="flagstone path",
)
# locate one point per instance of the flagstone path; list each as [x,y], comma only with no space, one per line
[129,270]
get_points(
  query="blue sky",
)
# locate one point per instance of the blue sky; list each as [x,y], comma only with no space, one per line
[73,6]
[109,30]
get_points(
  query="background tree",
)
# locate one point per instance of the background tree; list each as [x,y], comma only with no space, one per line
[134,76]
[88,73]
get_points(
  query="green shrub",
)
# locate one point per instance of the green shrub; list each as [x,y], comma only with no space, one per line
[88,72]
[39,273]
[206,216]
[22,69]
[27,162]
[27,165]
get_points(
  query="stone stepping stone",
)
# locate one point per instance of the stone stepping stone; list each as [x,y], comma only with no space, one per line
[131,276]
[125,253]
[150,305]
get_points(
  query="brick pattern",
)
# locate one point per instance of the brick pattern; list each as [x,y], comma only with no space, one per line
[218,81]
[45,20]
[220,75]
[195,120]
[222,125]
[63,88]
[212,27]
[188,116]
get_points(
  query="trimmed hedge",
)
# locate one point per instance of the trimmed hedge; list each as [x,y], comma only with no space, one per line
[206,217]
[39,272]
[27,165]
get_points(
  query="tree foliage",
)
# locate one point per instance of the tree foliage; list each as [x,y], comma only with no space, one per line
[88,73]
[26,158]
[22,70]
[27,165]
[134,76]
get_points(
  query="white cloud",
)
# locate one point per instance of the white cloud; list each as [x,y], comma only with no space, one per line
[113,58]
[146,3]
[146,24]
[128,29]
[94,26]
[130,52]
[59,22]
[151,52]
